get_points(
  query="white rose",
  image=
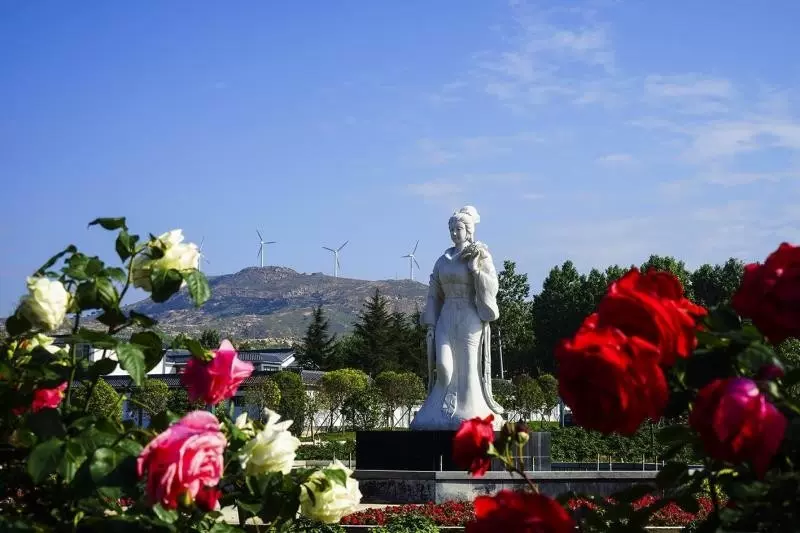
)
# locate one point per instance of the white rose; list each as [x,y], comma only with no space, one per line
[177,255]
[272,449]
[46,303]
[331,500]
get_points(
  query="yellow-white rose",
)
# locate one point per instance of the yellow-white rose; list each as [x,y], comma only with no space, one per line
[273,448]
[46,303]
[331,500]
[177,255]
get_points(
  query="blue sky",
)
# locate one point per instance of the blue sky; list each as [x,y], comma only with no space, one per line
[598,131]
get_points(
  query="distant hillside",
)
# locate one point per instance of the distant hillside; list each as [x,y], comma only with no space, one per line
[276,302]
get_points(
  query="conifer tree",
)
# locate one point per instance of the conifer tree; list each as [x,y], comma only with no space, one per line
[317,349]
[375,336]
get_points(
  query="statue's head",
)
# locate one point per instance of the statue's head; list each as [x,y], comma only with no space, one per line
[462,225]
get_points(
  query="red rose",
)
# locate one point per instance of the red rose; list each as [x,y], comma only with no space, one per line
[611,382]
[519,512]
[770,294]
[737,423]
[44,399]
[652,306]
[471,445]
[218,379]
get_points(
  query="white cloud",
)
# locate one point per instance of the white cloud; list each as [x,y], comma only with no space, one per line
[616,159]
[443,151]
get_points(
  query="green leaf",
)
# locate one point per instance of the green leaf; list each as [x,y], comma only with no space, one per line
[687,502]
[74,456]
[104,461]
[165,515]
[98,339]
[76,267]
[131,447]
[165,283]
[87,296]
[791,378]
[671,475]
[46,424]
[112,317]
[106,292]
[131,358]
[52,261]
[142,320]
[17,324]
[198,286]
[151,345]
[251,507]
[163,420]
[116,274]
[125,245]
[102,367]
[195,348]
[44,459]
[109,223]
[723,319]
[336,475]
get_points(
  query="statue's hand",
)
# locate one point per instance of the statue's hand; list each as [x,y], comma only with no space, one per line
[429,335]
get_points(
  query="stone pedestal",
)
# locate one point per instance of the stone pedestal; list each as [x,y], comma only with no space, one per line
[432,451]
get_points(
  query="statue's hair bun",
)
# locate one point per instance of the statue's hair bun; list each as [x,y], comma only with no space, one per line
[471,212]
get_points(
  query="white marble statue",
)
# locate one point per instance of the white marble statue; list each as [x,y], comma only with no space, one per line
[461,303]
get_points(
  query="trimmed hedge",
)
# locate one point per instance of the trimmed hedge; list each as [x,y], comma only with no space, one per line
[577,445]
[327,451]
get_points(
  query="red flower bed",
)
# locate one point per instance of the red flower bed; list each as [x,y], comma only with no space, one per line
[443,514]
[459,513]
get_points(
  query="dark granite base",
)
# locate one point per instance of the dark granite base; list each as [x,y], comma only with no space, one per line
[432,451]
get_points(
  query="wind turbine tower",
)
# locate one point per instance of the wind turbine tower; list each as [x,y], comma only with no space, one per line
[261,244]
[412,260]
[201,255]
[335,253]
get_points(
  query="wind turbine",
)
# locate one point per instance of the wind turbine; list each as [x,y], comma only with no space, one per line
[412,260]
[335,252]
[261,245]
[201,256]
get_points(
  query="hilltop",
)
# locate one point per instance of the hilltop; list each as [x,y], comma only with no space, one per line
[275,302]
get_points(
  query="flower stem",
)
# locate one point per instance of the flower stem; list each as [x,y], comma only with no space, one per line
[73,352]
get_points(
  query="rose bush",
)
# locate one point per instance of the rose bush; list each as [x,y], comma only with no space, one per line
[76,468]
[714,378]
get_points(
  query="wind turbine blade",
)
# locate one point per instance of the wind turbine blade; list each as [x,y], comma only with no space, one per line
[404,256]
[200,248]
[342,246]
[415,248]
[271,242]
[259,235]
[260,246]
[415,262]
[329,249]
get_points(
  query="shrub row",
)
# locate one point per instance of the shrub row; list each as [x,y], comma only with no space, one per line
[575,444]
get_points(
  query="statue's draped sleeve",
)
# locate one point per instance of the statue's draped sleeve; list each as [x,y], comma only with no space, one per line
[486,286]
[433,307]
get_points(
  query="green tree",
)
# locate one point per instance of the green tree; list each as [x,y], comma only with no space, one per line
[398,389]
[209,339]
[316,402]
[178,402]
[317,349]
[714,285]
[375,346]
[292,405]
[151,398]
[503,392]
[548,385]
[105,400]
[558,311]
[265,395]
[339,385]
[514,327]
[527,396]
[362,409]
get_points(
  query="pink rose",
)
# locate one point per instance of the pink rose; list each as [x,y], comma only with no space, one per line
[737,423]
[217,379]
[44,398]
[184,460]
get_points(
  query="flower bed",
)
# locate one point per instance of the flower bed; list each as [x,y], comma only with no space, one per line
[457,513]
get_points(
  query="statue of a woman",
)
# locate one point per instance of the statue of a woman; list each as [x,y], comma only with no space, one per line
[461,303]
